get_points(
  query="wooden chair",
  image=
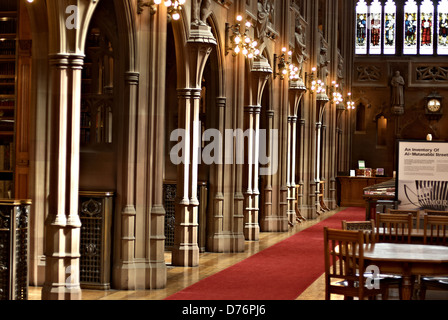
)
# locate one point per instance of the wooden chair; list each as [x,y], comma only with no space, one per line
[393,227]
[367,226]
[435,230]
[415,215]
[435,233]
[344,259]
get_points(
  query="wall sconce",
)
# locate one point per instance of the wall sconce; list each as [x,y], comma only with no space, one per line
[282,67]
[174,7]
[336,96]
[315,85]
[238,42]
[350,102]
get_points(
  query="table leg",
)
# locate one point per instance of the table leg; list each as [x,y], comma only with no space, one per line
[407,284]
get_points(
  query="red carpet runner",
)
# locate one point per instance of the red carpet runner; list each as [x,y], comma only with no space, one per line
[280,272]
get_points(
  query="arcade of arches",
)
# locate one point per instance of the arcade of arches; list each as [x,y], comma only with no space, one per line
[201,146]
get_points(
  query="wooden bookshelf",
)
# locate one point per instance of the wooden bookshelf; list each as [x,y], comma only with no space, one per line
[8,67]
[15,54]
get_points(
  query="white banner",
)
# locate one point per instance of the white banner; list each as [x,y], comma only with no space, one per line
[422,177]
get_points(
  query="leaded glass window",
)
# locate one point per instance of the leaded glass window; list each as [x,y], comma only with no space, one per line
[421,25]
[410,27]
[442,32]
[427,31]
[390,14]
[375,27]
[361,27]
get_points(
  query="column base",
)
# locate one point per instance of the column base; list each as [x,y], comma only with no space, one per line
[274,224]
[185,256]
[61,292]
[226,243]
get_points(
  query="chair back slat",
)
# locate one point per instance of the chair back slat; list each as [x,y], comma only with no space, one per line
[394,227]
[435,230]
[415,215]
[435,213]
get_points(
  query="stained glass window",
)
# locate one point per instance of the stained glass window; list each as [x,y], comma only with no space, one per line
[427,31]
[361,27]
[375,27]
[390,16]
[410,27]
[424,27]
[442,31]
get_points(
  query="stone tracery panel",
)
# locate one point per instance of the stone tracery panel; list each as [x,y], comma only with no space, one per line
[431,73]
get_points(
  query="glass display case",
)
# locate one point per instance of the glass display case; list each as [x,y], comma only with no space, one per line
[379,197]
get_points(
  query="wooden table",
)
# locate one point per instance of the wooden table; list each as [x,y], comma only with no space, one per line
[407,260]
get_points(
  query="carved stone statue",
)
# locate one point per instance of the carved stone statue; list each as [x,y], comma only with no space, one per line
[300,47]
[323,62]
[340,66]
[265,13]
[397,84]
[200,11]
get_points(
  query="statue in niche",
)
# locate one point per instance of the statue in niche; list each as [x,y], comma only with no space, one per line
[200,10]
[300,41]
[397,84]
[323,62]
[340,66]
[265,14]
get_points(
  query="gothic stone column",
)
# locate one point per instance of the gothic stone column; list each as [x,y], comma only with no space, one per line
[296,91]
[198,49]
[260,73]
[63,226]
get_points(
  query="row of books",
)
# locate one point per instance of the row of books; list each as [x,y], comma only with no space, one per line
[5,189]
[7,103]
[8,25]
[6,156]
[7,47]
[7,68]
[8,5]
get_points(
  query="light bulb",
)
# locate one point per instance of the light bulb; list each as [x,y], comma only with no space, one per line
[176,16]
[239,18]
[157,1]
[237,40]
[237,49]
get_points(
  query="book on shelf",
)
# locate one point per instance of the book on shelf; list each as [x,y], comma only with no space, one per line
[5,189]
[8,5]
[6,159]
